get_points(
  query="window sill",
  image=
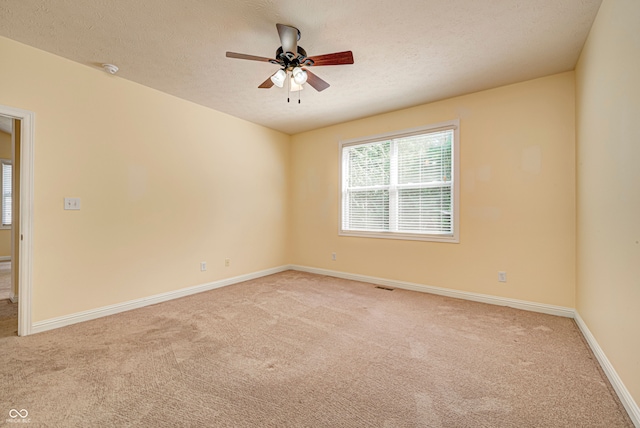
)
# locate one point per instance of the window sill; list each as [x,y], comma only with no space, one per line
[451,239]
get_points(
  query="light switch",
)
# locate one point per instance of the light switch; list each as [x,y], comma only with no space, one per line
[71,203]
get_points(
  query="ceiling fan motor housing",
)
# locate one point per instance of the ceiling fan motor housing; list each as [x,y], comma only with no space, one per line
[289,61]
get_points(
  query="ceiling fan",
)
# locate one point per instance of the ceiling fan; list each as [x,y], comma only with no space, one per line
[295,63]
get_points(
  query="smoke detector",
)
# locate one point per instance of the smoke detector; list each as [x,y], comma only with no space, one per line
[110,68]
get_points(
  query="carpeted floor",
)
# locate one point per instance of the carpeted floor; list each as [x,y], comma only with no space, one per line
[303,350]
[8,320]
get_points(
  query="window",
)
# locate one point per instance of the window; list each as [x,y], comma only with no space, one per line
[402,185]
[6,193]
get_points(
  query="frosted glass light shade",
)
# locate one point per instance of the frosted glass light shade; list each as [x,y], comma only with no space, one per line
[294,86]
[278,78]
[299,75]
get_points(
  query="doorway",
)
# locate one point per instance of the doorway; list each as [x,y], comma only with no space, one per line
[16,202]
[8,295]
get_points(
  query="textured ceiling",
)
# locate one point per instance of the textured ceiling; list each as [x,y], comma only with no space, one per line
[406,52]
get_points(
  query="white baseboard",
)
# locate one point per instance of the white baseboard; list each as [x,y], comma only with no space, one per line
[5,258]
[623,393]
[13,298]
[484,298]
[104,311]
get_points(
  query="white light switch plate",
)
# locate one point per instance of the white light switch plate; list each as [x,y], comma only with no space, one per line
[71,203]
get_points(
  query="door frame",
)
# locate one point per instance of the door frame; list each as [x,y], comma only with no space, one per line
[24,246]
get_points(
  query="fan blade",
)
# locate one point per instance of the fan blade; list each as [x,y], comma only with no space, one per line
[289,37]
[266,84]
[337,58]
[249,57]
[316,83]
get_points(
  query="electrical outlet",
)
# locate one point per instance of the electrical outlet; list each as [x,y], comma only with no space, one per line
[334,257]
[502,276]
[203,266]
[227,262]
[71,203]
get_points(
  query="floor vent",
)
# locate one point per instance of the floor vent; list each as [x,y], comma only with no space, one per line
[384,288]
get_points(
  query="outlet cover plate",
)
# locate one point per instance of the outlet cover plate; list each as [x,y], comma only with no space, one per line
[71,203]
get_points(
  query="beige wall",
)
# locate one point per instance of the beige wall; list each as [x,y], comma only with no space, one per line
[5,234]
[164,184]
[517,205]
[608,183]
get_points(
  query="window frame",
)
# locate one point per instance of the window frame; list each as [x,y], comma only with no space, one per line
[2,163]
[453,237]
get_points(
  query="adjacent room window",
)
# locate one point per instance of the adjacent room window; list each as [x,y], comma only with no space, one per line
[402,185]
[6,193]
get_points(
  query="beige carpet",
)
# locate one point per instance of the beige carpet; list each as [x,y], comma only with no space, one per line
[8,323]
[303,350]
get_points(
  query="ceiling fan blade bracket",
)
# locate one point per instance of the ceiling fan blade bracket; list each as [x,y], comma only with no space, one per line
[302,54]
[288,60]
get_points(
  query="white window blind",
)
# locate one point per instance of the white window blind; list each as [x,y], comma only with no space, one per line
[402,186]
[6,193]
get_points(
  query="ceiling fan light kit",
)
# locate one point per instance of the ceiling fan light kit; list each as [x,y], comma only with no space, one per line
[299,75]
[294,62]
[278,78]
[294,86]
